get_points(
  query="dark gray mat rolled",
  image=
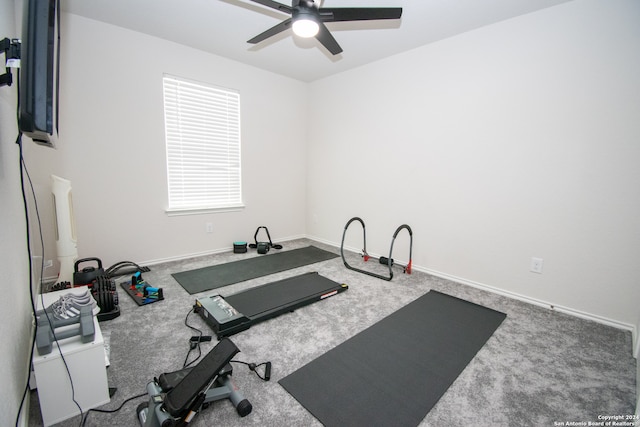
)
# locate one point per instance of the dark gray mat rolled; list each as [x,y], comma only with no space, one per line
[215,276]
[394,372]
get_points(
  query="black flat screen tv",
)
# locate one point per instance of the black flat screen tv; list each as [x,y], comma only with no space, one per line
[38,113]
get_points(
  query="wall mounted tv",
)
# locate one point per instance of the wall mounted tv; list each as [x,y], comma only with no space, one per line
[38,114]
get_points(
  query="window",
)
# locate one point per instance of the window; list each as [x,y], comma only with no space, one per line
[202,132]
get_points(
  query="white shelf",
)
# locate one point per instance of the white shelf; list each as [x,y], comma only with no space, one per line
[86,368]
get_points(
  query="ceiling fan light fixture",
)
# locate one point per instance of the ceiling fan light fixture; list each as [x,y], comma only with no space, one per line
[308,19]
[305,27]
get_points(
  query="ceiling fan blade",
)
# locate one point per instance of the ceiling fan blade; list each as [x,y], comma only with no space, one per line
[275,5]
[284,25]
[335,14]
[327,40]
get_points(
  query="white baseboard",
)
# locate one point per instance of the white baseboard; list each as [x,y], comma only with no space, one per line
[206,253]
[545,304]
[182,257]
[530,300]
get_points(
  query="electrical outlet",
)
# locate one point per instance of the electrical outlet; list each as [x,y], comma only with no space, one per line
[48,263]
[209,227]
[536,265]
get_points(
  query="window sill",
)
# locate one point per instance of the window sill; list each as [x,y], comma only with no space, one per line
[202,211]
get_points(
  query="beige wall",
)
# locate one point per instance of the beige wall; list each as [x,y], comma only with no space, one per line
[514,141]
[15,305]
[112,147]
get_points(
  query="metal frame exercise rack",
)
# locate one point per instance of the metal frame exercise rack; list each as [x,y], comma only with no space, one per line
[383,260]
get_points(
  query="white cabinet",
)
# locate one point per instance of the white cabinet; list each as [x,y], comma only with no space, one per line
[87,370]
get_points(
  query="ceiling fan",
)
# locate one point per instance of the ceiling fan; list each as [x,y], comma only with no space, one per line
[308,18]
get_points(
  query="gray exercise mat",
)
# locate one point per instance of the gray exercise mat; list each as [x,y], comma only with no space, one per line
[215,276]
[394,372]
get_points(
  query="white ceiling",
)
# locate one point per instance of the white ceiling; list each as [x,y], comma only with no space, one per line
[222,27]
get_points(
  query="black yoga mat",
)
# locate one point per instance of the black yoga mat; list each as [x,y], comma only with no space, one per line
[394,372]
[215,276]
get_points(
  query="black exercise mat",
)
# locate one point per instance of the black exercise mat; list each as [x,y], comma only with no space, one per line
[394,372]
[215,276]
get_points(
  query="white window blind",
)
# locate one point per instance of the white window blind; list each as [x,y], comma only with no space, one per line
[202,131]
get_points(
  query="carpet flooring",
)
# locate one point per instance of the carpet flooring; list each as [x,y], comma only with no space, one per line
[539,368]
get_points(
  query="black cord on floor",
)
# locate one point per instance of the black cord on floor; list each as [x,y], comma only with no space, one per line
[110,411]
[194,343]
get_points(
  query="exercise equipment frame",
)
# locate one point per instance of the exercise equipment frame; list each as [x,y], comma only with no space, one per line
[176,397]
[383,260]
